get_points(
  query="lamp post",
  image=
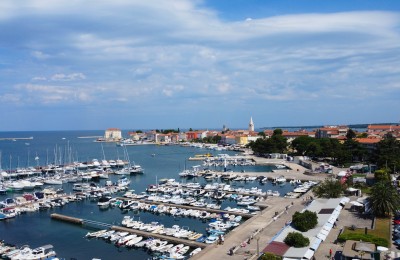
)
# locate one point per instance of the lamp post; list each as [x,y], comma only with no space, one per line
[258,248]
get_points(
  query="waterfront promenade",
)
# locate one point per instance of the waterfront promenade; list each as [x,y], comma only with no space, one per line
[259,229]
[254,235]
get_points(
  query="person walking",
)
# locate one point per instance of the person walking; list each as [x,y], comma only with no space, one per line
[330,253]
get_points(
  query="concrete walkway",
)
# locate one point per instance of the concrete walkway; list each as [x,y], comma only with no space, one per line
[261,228]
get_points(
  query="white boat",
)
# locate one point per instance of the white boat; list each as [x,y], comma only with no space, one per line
[123,182]
[42,252]
[134,241]
[53,182]
[135,169]
[104,202]
[124,240]
[196,251]
[96,234]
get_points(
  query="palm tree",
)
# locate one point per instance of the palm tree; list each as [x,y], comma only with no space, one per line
[384,199]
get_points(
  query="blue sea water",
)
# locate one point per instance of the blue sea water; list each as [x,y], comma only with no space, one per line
[36,229]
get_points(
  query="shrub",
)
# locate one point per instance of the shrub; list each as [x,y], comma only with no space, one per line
[364,237]
[296,239]
[305,221]
[270,256]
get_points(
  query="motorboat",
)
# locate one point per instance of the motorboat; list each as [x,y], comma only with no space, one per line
[133,241]
[43,252]
[104,202]
[123,240]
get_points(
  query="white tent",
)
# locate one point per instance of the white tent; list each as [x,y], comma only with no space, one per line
[344,200]
[316,244]
[356,203]
[342,174]
[322,236]
[308,254]
[327,226]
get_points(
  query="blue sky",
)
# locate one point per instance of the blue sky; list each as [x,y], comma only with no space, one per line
[166,64]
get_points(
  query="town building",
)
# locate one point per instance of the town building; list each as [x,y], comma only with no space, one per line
[113,134]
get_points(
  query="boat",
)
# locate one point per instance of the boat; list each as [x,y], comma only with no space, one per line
[133,241]
[135,169]
[123,240]
[123,182]
[43,252]
[196,251]
[104,202]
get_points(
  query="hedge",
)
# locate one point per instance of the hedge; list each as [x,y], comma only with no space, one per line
[365,238]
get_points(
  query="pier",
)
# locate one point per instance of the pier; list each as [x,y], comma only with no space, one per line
[146,234]
[15,138]
[218,211]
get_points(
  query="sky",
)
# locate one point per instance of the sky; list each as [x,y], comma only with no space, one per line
[79,64]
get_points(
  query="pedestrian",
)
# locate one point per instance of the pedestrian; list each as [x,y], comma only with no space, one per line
[330,253]
[222,239]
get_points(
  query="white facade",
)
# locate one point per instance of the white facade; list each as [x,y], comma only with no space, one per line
[113,134]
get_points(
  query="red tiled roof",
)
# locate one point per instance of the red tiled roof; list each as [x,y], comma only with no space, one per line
[368,140]
[113,129]
[276,248]
[385,127]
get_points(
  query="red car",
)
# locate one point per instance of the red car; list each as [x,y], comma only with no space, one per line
[396,222]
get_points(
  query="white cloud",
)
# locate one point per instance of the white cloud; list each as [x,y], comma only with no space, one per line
[40,55]
[171,90]
[68,77]
[39,79]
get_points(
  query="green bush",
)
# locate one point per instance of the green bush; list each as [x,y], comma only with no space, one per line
[305,221]
[365,238]
[296,239]
[270,256]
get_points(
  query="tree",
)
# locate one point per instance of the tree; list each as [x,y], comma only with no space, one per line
[387,153]
[262,134]
[384,199]
[329,188]
[362,135]
[296,239]
[304,221]
[350,134]
[301,143]
[277,131]
[382,175]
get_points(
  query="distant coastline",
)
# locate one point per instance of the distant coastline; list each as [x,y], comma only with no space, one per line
[319,126]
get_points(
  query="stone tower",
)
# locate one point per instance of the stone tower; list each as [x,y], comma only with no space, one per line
[251,124]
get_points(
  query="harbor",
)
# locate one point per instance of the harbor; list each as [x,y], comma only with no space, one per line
[162,191]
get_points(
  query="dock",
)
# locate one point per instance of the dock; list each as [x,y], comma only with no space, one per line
[218,211]
[15,138]
[146,234]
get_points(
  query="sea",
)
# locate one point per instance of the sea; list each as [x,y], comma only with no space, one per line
[62,147]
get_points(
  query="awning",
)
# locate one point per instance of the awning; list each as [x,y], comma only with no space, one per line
[357,204]
[321,236]
[316,244]
[308,254]
[332,219]
[352,189]
[344,201]
[382,249]
[327,226]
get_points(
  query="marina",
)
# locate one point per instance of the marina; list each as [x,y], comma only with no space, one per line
[75,189]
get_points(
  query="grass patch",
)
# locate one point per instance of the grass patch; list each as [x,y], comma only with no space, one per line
[380,235]
[382,228]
